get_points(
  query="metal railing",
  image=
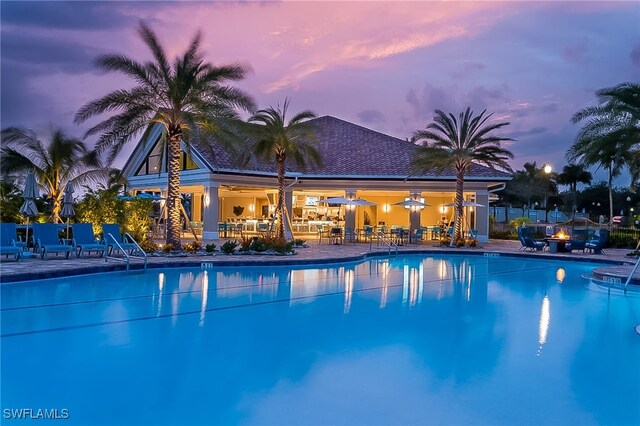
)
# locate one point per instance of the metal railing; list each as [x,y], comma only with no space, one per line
[387,242]
[633,271]
[136,253]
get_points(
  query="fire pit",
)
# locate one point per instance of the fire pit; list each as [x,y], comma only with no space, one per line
[557,242]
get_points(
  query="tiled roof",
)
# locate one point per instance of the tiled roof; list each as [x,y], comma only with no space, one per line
[347,150]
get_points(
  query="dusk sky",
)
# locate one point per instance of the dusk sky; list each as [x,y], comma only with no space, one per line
[383,65]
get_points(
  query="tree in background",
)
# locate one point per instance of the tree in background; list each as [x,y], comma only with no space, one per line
[185,98]
[611,132]
[452,146]
[279,140]
[61,161]
[572,175]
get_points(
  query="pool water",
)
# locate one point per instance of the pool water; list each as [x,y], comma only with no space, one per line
[400,340]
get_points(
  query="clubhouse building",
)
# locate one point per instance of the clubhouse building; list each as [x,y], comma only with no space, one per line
[222,188]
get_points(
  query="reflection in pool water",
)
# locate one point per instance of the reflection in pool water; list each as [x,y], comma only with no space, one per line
[407,340]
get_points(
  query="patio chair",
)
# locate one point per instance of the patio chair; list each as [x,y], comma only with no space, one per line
[367,233]
[577,241]
[111,231]
[335,236]
[84,240]
[596,245]
[48,241]
[418,235]
[8,241]
[350,235]
[527,242]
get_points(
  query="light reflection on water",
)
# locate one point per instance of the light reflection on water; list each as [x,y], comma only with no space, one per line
[391,341]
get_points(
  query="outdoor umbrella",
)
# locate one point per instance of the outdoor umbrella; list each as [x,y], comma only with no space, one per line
[29,208]
[67,205]
[411,203]
[361,202]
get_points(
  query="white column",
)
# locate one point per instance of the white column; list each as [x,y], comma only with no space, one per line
[288,202]
[482,216]
[414,212]
[350,211]
[210,219]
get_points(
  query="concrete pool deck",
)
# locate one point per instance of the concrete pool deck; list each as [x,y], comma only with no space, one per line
[36,268]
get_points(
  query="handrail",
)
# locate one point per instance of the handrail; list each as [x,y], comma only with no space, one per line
[142,254]
[633,271]
[387,242]
[127,257]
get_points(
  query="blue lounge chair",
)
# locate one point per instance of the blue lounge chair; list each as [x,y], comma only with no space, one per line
[48,241]
[8,241]
[527,242]
[9,236]
[84,240]
[596,245]
[111,231]
[577,241]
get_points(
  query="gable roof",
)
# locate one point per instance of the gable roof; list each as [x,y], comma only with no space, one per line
[348,151]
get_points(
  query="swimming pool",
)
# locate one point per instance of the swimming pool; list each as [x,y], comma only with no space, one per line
[403,340]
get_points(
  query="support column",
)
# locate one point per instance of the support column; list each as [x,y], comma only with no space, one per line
[414,212]
[350,211]
[482,216]
[210,219]
[288,202]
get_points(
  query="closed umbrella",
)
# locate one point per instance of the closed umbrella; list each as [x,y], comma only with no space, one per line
[67,205]
[29,208]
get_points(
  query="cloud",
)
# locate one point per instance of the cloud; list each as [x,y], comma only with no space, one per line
[534,131]
[452,99]
[635,55]
[75,15]
[577,53]
[467,69]
[371,116]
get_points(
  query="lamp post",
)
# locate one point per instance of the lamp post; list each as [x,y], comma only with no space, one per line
[547,170]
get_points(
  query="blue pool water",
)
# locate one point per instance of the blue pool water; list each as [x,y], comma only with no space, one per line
[406,340]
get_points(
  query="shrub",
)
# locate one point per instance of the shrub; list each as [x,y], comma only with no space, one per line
[518,221]
[148,246]
[210,248]
[283,247]
[298,242]
[245,243]
[460,242]
[229,247]
[502,235]
[192,247]
[622,241]
[167,248]
[259,245]
[472,243]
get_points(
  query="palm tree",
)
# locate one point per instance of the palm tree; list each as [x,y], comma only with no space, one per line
[278,140]
[448,144]
[63,160]
[185,97]
[611,133]
[572,175]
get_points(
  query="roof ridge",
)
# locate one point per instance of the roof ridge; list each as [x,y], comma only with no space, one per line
[362,127]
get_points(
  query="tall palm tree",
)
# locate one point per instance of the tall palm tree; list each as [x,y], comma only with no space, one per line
[611,132]
[63,160]
[448,144]
[279,140]
[185,98]
[572,175]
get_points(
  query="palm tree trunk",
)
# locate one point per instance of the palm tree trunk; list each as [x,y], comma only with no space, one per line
[459,193]
[173,187]
[280,166]
[57,207]
[610,195]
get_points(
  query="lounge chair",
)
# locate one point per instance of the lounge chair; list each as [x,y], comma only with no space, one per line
[84,240]
[577,241]
[111,231]
[9,236]
[8,241]
[48,241]
[527,242]
[596,245]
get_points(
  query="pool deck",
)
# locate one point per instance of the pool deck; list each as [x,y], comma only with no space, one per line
[35,268]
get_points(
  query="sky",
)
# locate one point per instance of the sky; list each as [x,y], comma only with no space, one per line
[383,65]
